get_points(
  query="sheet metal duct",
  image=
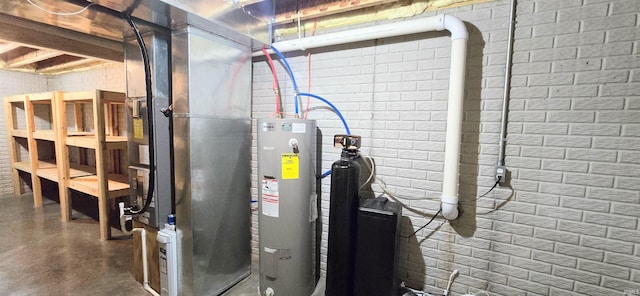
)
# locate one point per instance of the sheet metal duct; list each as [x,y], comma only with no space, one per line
[206,77]
[212,141]
[103,19]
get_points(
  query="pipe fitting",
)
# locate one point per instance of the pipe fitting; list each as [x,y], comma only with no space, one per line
[449,207]
[455,26]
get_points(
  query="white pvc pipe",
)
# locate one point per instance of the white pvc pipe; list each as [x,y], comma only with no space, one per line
[435,23]
[459,38]
[454,129]
[145,268]
[143,238]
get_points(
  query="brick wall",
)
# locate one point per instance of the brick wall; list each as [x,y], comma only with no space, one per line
[13,83]
[567,223]
[109,77]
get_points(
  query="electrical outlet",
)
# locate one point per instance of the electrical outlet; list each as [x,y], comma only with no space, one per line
[501,174]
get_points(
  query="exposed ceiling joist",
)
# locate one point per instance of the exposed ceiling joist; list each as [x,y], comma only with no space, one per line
[30,46]
[32,57]
[42,61]
[39,35]
[6,47]
[85,65]
[60,62]
[63,63]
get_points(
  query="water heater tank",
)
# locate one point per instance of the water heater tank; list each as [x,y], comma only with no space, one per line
[287,206]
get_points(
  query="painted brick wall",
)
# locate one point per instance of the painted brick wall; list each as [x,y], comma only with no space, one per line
[13,83]
[109,77]
[567,224]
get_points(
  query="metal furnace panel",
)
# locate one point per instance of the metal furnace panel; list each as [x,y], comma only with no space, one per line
[213,202]
[212,75]
[212,142]
[158,44]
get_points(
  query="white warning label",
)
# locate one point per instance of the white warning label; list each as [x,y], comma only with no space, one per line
[298,128]
[270,198]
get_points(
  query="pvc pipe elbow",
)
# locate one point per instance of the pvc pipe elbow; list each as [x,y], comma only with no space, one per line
[454,25]
[449,207]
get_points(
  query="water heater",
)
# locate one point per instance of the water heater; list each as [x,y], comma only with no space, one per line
[287,206]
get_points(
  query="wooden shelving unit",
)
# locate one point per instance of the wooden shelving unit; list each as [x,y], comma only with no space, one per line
[105,141]
[28,131]
[105,181]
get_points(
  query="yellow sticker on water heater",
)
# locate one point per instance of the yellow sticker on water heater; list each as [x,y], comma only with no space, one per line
[290,166]
[138,127]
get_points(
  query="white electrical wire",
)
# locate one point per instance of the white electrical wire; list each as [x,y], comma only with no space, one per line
[60,13]
[371,166]
[417,292]
[453,274]
[383,186]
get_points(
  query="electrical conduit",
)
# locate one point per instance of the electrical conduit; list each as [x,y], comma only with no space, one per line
[459,36]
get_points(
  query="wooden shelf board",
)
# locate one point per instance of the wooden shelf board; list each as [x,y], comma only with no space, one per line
[47,164]
[75,133]
[42,97]
[113,142]
[20,133]
[88,96]
[47,169]
[118,185]
[48,135]
[49,174]
[24,166]
[116,142]
[14,99]
[79,170]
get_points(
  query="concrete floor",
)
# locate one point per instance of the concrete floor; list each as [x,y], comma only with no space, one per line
[40,255]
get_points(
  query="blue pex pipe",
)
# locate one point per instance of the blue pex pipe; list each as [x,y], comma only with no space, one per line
[344,122]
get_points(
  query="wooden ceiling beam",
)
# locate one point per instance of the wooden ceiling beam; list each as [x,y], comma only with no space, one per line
[62,62]
[39,35]
[4,48]
[80,66]
[32,57]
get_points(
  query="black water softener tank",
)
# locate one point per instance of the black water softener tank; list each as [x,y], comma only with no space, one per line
[377,248]
[343,213]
